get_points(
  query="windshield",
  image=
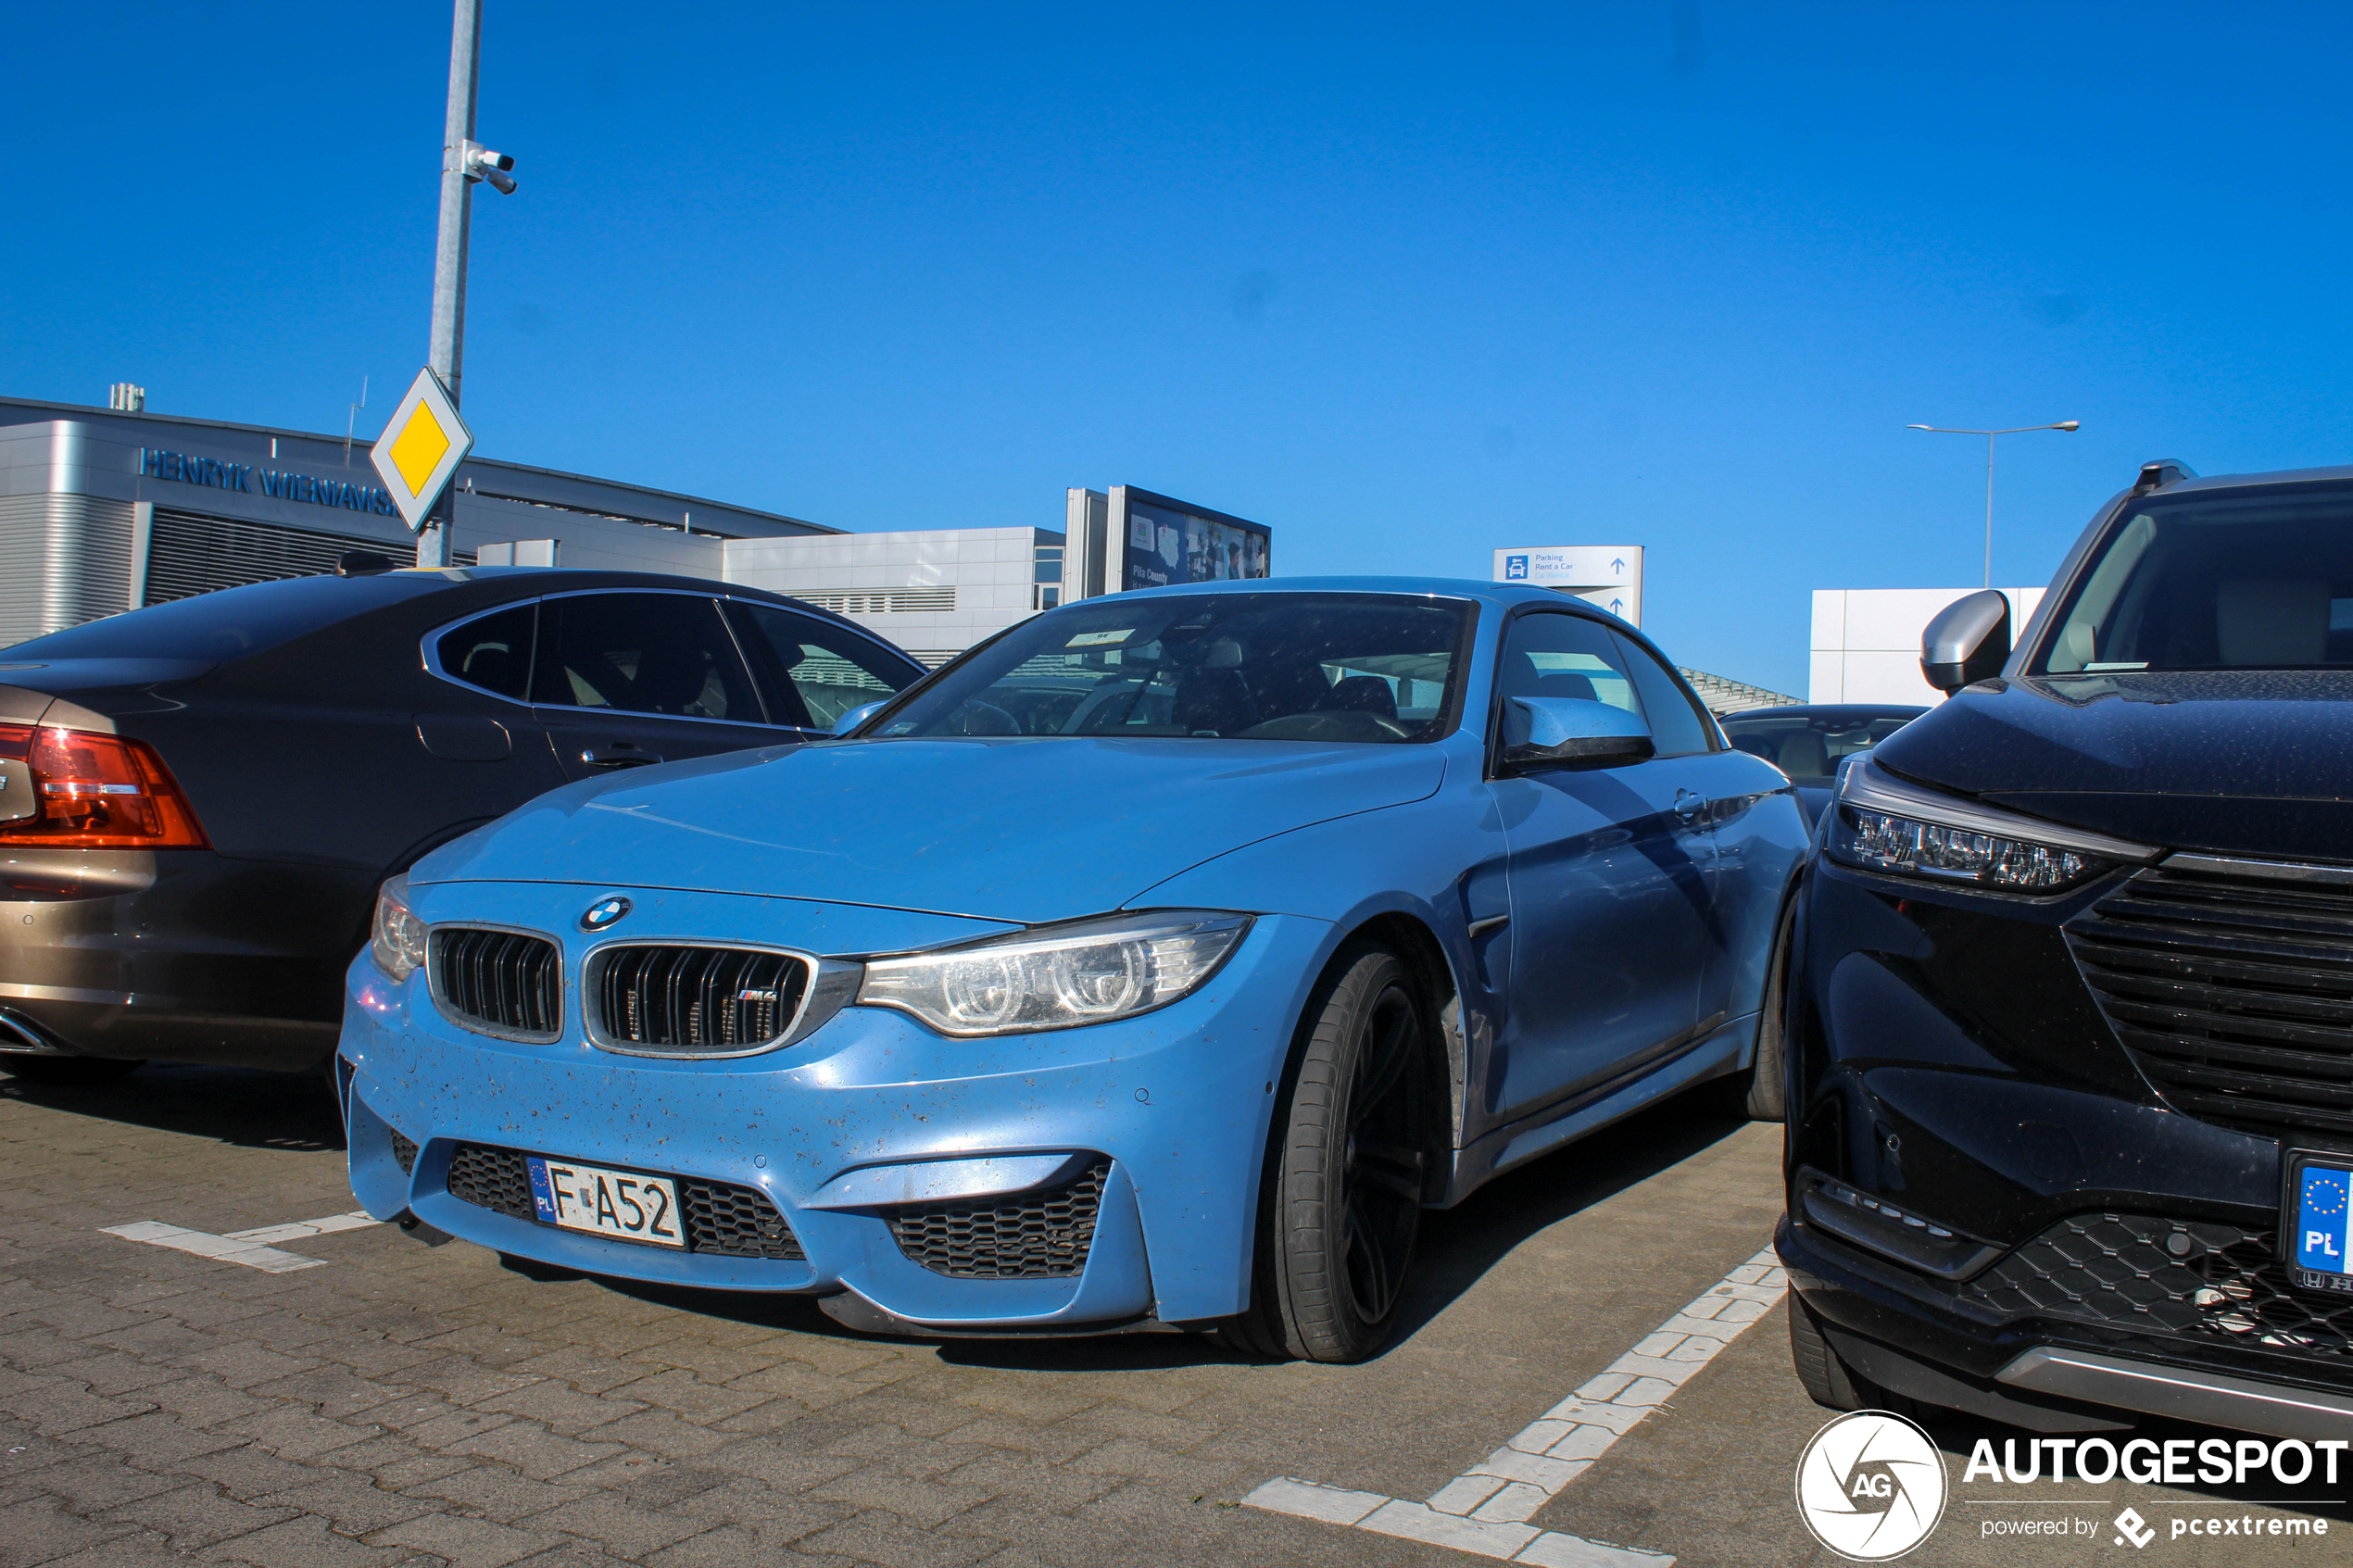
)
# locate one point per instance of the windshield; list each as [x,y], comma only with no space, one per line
[1809,744]
[1376,668]
[230,623]
[2250,580]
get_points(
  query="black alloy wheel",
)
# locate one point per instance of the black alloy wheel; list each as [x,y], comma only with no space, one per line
[1350,1163]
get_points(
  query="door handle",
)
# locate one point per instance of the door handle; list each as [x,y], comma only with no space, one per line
[620,755]
[1689,807]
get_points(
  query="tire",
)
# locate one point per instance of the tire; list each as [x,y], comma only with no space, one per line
[66,1069]
[1768,1096]
[1343,1198]
[1825,1376]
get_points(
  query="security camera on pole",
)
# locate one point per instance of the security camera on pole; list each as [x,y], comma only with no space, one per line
[463,161]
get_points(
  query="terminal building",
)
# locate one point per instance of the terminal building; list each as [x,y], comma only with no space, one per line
[103,510]
[1866,643]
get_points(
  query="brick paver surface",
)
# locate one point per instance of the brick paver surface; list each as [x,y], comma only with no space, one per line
[414,1404]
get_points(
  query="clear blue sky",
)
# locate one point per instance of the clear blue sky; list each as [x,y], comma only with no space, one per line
[1406,282]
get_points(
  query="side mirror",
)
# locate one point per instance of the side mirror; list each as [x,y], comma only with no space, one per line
[1968,641]
[856,717]
[1567,732]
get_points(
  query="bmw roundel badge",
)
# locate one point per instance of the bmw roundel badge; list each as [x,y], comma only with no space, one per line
[604,913]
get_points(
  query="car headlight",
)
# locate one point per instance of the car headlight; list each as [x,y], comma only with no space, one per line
[1885,823]
[398,943]
[1060,978]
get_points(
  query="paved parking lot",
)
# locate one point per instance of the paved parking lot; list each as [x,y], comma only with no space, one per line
[399,1403]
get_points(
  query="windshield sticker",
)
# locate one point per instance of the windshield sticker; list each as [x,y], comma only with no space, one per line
[1098,639]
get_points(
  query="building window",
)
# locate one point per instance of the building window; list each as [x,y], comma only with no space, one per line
[1047,596]
[1050,567]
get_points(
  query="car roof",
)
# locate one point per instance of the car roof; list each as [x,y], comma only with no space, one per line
[1498,594]
[279,612]
[1828,711]
[2278,476]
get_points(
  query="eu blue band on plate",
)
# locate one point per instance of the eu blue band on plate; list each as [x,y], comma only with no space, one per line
[543,1196]
[2322,1208]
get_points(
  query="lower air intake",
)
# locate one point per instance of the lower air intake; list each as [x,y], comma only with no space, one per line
[404,1153]
[735,1222]
[493,1179]
[1042,1235]
[2153,1276]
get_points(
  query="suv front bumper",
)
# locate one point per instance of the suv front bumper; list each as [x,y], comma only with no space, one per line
[2100,1251]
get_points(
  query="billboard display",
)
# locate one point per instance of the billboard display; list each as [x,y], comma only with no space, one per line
[1153,541]
[1608,575]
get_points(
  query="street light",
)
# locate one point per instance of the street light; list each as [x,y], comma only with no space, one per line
[464,163]
[1989,434]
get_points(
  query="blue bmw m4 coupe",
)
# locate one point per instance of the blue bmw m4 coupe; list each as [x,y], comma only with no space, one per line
[1158,962]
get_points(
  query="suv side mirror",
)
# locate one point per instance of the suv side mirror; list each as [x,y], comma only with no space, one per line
[1566,731]
[856,717]
[1968,641]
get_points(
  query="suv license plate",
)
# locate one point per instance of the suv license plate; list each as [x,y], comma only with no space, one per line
[2320,1239]
[622,1204]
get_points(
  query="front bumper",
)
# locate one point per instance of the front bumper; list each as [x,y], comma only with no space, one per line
[869,1120]
[2101,1251]
[177,955]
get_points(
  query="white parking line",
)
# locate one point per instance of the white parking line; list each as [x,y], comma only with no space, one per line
[243,1246]
[1487,1508]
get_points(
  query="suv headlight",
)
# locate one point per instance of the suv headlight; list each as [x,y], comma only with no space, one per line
[1058,977]
[398,943]
[1885,823]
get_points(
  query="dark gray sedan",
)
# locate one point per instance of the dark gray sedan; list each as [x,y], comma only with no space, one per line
[199,799]
[1809,741]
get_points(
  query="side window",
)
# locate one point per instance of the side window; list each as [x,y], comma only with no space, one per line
[1677,726]
[1561,656]
[815,672]
[492,651]
[642,653]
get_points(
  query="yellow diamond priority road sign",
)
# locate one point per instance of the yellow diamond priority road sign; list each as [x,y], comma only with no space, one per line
[420,448]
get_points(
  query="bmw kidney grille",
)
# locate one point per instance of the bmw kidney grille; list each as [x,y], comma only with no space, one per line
[689,1000]
[499,981]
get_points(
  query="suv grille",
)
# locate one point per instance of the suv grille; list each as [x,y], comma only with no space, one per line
[2140,1274]
[1025,1236]
[692,1001]
[2234,994]
[734,1222]
[501,982]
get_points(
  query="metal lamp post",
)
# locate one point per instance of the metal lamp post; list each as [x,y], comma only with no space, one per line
[463,162]
[1989,434]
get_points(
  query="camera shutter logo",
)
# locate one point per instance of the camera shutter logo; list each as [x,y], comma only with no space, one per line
[1870,1486]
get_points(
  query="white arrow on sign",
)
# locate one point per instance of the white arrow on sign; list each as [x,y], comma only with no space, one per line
[420,448]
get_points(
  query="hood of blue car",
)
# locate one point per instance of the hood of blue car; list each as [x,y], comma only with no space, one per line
[1013,830]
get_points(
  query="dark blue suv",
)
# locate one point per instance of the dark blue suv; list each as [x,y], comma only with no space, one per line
[2069,1036]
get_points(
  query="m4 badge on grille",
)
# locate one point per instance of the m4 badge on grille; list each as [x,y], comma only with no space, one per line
[604,913]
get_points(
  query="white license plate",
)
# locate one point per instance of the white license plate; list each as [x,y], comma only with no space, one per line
[602,1202]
